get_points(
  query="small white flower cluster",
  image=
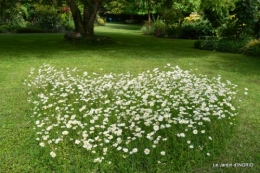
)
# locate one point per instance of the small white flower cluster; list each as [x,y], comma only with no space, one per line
[114,111]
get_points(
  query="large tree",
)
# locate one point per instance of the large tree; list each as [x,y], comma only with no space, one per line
[83,12]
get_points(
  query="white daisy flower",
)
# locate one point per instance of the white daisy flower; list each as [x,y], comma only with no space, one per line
[135,150]
[195,131]
[65,132]
[42,144]
[146,151]
[53,154]
[163,153]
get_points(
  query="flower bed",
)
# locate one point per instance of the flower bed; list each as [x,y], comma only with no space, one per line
[158,116]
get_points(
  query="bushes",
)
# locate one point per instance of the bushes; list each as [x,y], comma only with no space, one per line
[148,29]
[100,21]
[18,29]
[197,29]
[4,28]
[29,30]
[174,31]
[188,30]
[9,29]
[160,28]
[14,28]
[244,46]
[232,46]
[252,48]
[207,44]
[47,17]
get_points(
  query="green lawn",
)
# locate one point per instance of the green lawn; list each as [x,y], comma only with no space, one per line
[132,52]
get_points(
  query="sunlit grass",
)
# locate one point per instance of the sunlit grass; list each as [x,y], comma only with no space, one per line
[132,52]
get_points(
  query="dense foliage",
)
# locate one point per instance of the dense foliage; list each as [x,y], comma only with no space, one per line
[238,30]
[247,13]
[45,17]
[190,28]
[252,48]
[246,46]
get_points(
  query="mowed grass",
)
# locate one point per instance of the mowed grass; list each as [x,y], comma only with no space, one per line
[134,52]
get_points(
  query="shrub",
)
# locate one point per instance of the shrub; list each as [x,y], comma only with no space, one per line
[208,44]
[4,28]
[189,31]
[193,29]
[173,31]
[29,30]
[221,45]
[197,29]
[229,29]
[148,29]
[100,21]
[160,28]
[9,29]
[148,120]
[252,48]
[47,17]
[230,45]
[14,28]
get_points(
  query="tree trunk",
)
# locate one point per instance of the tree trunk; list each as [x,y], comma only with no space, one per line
[85,24]
[91,8]
[76,16]
[149,11]
[149,17]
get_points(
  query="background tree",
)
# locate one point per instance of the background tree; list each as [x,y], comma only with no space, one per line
[149,7]
[116,7]
[175,11]
[217,12]
[129,7]
[248,15]
[7,10]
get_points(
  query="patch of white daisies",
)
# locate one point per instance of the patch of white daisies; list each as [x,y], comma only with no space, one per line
[127,114]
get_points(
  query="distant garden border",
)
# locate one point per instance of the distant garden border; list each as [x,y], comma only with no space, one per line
[245,46]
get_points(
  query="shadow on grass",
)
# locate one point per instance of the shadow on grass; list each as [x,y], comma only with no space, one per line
[134,46]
